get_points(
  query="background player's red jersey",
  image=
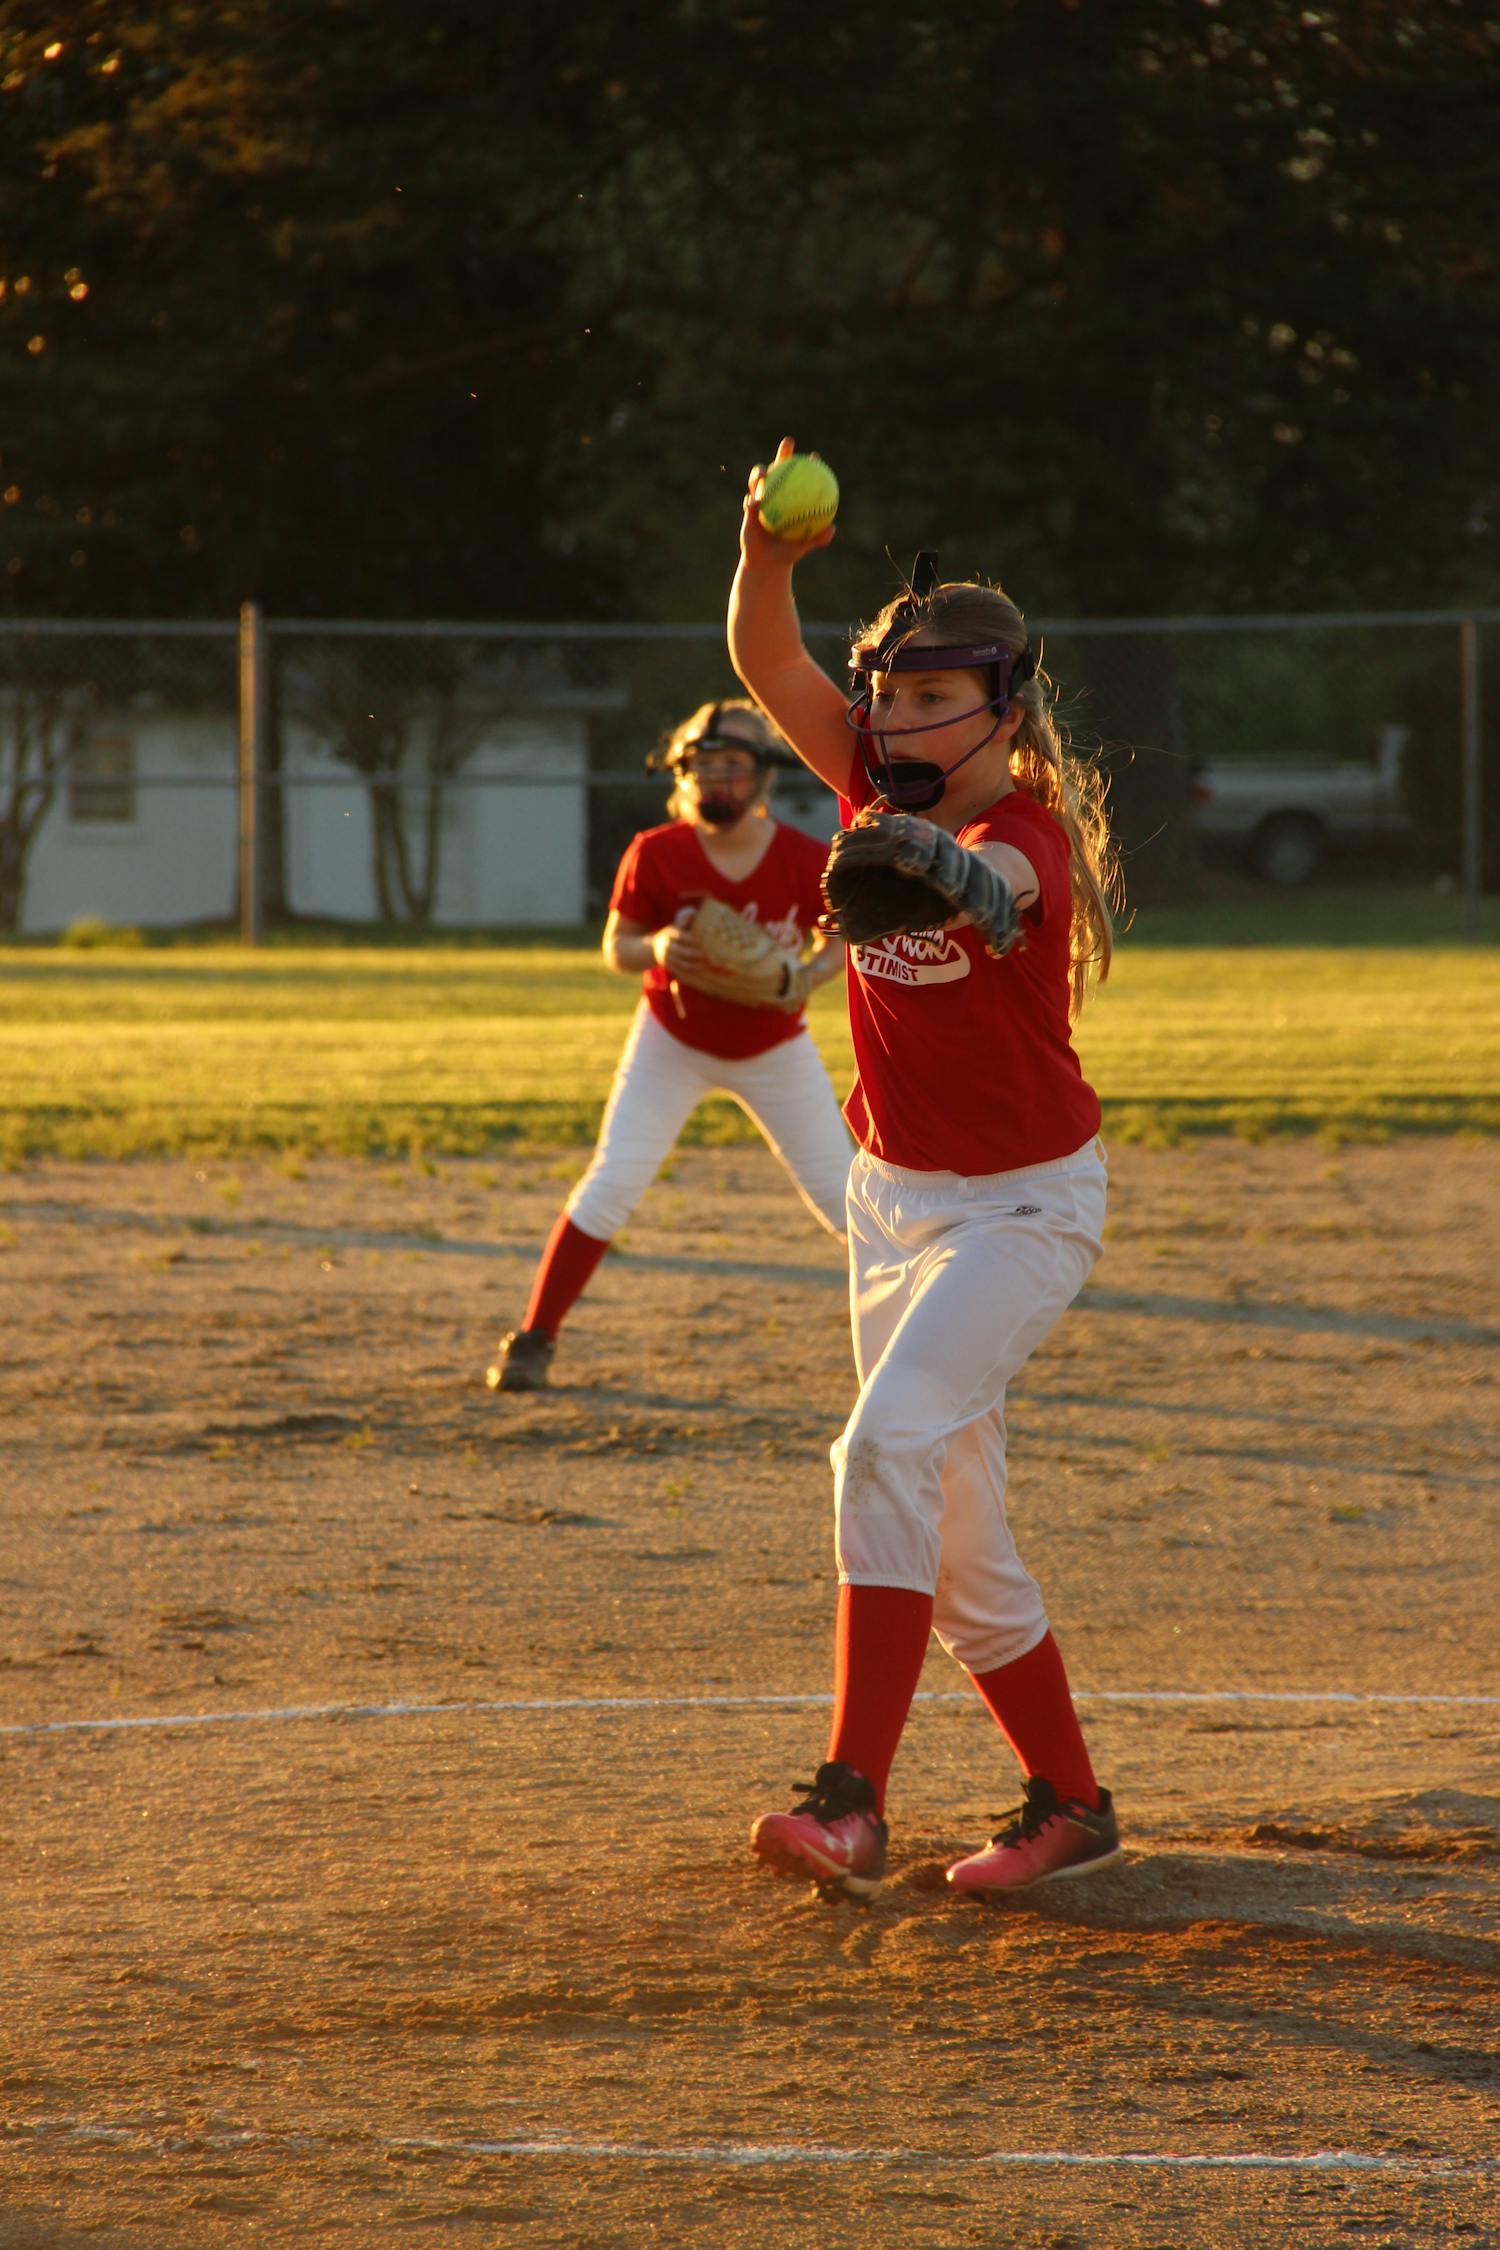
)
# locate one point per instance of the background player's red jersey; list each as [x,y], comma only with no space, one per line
[666,872]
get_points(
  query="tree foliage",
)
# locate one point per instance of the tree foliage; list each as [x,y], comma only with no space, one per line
[1143,305]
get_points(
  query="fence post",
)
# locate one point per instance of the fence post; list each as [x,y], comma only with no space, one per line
[1468,766]
[252,761]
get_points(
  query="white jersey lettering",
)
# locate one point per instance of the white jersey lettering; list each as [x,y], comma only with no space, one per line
[914,957]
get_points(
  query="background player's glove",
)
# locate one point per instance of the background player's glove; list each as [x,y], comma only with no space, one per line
[745,964]
[893,872]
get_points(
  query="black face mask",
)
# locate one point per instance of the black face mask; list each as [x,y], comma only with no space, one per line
[719,812]
[917,784]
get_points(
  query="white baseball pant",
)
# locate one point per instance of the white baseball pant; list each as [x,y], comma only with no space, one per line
[953,1283]
[659,1082]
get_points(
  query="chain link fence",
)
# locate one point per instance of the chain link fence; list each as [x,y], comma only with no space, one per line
[402,778]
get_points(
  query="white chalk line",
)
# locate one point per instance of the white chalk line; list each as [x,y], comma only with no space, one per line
[1349,1699]
[746,2154]
[731,2153]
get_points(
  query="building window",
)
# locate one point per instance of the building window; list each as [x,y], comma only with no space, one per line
[101,780]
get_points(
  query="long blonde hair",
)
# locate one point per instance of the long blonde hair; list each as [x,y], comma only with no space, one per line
[1043,761]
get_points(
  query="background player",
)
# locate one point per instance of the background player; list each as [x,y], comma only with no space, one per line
[686,1043]
[976,1199]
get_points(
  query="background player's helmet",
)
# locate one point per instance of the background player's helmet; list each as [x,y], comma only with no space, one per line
[917,784]
[718,802]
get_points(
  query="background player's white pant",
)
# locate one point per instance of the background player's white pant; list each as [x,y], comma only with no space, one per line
[660,1082]
[953,1283]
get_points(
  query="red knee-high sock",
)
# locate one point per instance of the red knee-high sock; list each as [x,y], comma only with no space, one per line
[566,1270]
[880,1643]
[1034,1706]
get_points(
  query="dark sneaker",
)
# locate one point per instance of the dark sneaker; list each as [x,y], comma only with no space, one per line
[522,1361]
[832,1839]
[1041,1839]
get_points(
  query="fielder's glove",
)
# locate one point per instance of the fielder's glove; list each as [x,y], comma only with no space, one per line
[892,872]
[746,965]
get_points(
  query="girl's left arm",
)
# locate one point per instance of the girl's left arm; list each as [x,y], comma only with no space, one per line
[1014,866]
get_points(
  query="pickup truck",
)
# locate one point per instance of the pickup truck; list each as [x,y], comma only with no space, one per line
[1285,819]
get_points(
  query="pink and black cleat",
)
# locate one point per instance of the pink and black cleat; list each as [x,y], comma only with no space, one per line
[833,1838]
[1041,1840]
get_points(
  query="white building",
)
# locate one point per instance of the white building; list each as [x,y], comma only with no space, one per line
[144,830]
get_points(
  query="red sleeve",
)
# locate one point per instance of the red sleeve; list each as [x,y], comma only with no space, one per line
[811,860]
[636,895]
[858,795]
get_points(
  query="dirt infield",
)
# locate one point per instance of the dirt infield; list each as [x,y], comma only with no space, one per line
[335,1969]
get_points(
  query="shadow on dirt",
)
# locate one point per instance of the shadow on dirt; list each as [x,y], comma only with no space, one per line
[35,2230]
[1349,1917]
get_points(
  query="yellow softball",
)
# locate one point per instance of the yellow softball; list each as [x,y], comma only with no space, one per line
[799,498]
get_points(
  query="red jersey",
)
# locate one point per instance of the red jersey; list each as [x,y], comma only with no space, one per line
[666,873]
[965,1063]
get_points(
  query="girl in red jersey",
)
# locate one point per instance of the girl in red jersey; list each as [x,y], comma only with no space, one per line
[976,1197]
[685,1044]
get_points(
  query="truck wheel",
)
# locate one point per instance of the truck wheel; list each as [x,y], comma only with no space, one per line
[1288,848]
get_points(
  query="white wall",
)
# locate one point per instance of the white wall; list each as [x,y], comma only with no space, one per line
[176,861]
[803,802]
[513,854]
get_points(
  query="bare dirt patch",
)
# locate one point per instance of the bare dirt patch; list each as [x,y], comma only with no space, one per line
[364,1971]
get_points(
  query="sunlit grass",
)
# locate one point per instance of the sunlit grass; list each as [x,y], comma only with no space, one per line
[437,1050]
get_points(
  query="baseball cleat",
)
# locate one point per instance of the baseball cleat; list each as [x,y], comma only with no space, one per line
[522,1362]
[1041,1839]
[832,1839]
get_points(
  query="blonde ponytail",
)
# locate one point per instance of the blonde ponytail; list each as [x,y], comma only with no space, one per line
[1073,790]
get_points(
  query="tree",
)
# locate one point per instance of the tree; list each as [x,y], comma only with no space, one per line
[408,716]
[306,267]
[44,720]
[1152,305]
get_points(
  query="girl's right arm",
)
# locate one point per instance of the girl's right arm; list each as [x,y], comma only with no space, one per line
[631,948]
[765,646]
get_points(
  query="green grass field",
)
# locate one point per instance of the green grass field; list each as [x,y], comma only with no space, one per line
[1367,1017]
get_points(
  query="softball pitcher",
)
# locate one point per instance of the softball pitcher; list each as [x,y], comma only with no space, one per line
[976,1196]
[724,987]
